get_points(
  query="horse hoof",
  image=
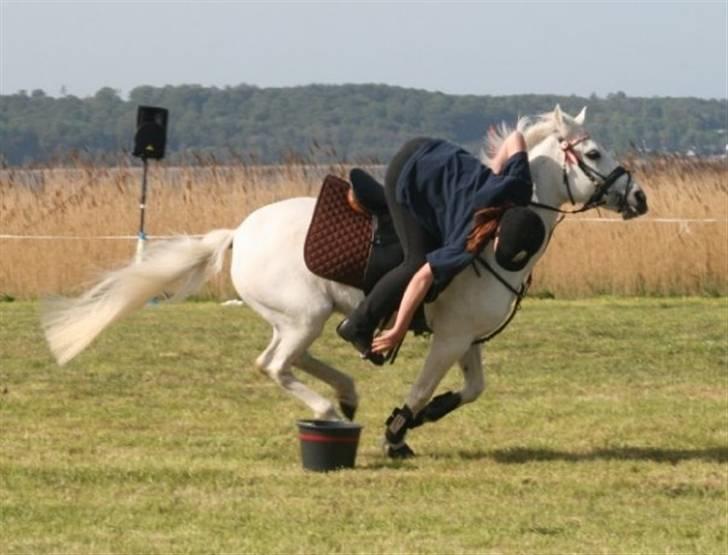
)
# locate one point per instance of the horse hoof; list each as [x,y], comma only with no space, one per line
[401,451]
[348,410]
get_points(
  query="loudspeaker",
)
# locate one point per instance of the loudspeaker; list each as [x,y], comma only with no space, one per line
[151,133]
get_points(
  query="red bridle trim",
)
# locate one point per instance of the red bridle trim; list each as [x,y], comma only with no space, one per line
[567,146]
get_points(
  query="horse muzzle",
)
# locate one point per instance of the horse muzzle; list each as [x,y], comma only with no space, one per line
[635,205]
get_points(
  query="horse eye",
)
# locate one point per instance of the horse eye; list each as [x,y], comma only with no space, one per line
[593,154]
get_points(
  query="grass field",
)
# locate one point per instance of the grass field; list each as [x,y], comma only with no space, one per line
[603,430]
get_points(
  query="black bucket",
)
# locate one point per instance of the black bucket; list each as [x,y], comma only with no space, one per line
[328,445]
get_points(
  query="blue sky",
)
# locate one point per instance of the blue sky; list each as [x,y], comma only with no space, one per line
[641,48]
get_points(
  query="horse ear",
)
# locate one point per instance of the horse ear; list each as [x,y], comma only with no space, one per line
[559,117]
[581,117]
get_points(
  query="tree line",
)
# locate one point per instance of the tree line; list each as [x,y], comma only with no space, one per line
[332,122]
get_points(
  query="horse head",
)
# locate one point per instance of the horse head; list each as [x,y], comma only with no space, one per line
[589,174]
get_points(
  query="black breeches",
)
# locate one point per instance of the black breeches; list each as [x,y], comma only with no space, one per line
[384,298]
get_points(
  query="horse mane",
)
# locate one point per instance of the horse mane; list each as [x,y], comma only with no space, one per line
[534,129]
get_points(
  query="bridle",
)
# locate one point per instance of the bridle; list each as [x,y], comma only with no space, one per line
[602,183]
[602,187]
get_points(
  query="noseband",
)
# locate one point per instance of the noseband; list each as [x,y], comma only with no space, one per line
[602,183]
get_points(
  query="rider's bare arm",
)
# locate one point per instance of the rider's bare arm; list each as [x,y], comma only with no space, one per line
[414,294]
[512,144]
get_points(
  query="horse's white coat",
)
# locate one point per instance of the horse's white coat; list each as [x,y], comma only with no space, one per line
[269,273]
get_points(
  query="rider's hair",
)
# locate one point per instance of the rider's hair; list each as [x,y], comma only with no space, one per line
[485,224]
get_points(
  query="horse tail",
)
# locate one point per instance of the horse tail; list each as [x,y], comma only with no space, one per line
[177,267]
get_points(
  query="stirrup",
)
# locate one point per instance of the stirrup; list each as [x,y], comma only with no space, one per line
[362,345]
[377,359]
[392,355]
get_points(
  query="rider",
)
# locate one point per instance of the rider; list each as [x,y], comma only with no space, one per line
[445,206]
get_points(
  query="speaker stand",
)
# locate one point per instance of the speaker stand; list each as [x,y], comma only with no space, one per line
[142,236]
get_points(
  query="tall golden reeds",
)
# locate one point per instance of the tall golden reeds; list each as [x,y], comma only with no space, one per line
[585,257]
[648,255]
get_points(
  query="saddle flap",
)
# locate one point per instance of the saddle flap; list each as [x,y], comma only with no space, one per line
[339,239]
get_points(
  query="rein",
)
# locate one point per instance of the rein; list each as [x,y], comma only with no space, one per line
[519,293]
[602,183]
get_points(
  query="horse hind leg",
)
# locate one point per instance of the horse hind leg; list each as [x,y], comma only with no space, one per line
[265,358]
[342,384]
[288,345]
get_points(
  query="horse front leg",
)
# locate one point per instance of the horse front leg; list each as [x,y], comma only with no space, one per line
[444,352]
[474,384]
[471,365]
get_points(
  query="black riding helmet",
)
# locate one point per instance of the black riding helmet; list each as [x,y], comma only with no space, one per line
[520,235]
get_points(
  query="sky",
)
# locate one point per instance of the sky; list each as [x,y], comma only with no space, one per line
[642,48]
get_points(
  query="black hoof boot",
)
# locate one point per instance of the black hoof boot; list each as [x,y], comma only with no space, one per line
[347,410]
[397,425]
[401,451]
[362,342]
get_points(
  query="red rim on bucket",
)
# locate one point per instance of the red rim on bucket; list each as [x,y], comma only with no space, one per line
[328,444]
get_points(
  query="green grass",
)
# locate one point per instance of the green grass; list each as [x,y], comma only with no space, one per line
[603,430]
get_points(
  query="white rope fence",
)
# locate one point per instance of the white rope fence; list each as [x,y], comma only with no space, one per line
[102,237]
[652,220]
[683,222]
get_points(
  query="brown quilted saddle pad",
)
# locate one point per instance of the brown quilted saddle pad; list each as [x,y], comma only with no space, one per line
[338,242]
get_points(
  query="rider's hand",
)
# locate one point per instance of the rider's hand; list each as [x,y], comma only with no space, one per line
[413,295]
[388,340]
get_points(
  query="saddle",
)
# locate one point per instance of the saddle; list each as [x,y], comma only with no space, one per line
[351,238]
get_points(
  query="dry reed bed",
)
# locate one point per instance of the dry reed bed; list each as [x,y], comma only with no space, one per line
[585,258]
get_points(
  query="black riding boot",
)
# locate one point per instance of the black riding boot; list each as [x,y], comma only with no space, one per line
[358,329]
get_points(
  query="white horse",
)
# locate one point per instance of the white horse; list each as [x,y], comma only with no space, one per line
[269,274]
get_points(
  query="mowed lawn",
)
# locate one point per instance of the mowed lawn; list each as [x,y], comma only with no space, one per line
[603,430]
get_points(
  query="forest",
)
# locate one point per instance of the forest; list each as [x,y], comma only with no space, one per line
[358,123]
